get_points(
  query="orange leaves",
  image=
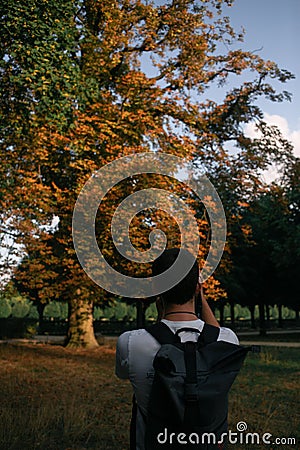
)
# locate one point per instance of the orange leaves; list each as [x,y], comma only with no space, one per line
[243,204]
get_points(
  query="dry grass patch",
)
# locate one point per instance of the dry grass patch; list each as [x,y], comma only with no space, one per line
[53,398]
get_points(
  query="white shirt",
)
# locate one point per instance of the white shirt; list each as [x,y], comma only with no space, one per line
[134,361]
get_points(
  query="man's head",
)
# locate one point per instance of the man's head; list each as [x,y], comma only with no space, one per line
[185,290]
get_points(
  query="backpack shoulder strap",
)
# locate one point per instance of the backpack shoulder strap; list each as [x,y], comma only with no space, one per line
[209,334]
[162,333]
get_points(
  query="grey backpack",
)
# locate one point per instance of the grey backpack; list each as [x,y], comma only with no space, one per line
[188,403]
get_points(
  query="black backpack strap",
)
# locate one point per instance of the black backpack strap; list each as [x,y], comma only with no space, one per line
[163,334]
[190,386]
[209,334]
[194,330]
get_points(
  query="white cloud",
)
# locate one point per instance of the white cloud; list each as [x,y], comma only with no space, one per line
[291,135]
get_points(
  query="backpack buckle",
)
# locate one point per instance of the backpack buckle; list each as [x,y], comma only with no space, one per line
[190,392]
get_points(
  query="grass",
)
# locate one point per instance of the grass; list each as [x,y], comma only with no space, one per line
[266,393]
[52,398]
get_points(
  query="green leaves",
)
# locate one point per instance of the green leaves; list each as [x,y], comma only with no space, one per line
[39,40]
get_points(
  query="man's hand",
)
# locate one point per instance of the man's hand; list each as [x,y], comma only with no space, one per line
[207,314]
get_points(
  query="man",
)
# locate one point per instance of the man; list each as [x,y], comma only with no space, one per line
[176,308]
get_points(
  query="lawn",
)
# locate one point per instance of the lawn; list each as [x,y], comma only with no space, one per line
[52,398]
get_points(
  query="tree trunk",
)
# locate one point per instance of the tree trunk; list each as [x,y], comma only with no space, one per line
[81,331]
[268,315]
[221,307]
[280,321]
[40,309]
[252,312]
[232,314]
[262,323]
[140,314]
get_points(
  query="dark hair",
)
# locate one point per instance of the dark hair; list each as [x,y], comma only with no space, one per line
[186,288]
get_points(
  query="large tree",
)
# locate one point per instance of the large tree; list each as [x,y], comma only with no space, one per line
[85,82]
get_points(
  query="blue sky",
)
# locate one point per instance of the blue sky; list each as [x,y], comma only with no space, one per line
[273,25]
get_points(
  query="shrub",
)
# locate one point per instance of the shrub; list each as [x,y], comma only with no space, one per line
[20,307]
[5,308]
[53,310]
